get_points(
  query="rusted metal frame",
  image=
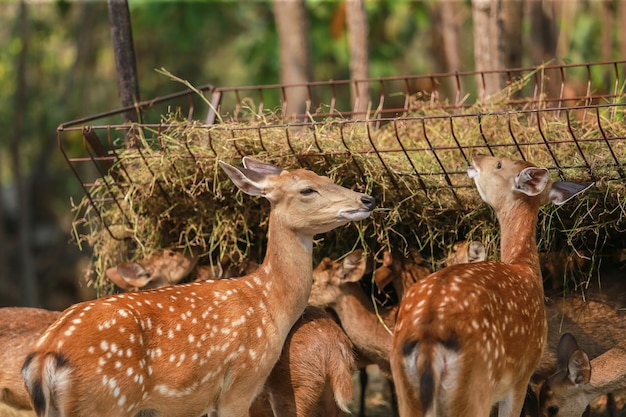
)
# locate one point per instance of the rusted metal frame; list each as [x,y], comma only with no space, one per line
[577,143]
[141,105]
[545,141]
[457,99]
[210,139]
[407,95]
[456,140]
[588,100]
[87,189]
[380,108]
[319,148]
[216,101]
[293,151]
[232,135]
[261,140]
[615,90]
[408,158]
[561,91]
[434,151]
[618,165]
[482,134]
[283,110]
[350,152]
[380,158]
[515,141]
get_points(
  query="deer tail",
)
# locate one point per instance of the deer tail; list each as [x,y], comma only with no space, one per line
[47,382]
[424,364]
[340,375]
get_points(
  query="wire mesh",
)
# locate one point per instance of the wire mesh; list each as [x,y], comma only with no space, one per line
[414,113]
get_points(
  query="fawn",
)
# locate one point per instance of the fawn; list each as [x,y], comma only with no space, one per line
[578,380]
[469,336]
[197,348]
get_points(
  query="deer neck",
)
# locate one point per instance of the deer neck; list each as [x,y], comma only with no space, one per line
[518,242]
[361,324]
[288,264]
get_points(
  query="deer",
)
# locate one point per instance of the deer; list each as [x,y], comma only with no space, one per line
[578,380]
[202,347]
[164,267]
[463,325]
[19,329]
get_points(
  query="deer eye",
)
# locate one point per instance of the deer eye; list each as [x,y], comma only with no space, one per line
[307,191]
[499,165]
[553,410]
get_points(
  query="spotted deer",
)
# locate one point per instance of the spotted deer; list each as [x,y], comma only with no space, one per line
[164,267]
[578,380]
[480,325]
[197,348]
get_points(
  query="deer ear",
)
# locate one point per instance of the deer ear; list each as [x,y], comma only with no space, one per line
[476,252]
[250,181]
[532,180]
[579,368]
[563,191]
[129,275]
[260,167]
[353,266]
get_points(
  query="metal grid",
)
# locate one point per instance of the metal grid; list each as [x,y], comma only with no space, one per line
[91,145]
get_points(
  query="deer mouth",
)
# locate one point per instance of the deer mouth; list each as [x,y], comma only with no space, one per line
[357,214]
[472,171]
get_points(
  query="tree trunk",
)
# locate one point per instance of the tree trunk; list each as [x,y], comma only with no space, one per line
[295,57]
[544,42]
[124,52]
[358,30]
[512,19]
[488,46]
[28,279]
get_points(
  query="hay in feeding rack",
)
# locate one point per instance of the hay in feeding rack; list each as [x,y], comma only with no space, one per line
[168,191]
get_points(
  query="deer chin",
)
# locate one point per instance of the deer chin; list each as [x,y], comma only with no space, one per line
[353,215]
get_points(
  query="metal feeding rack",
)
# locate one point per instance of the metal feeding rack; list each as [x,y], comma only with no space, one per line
[589,95]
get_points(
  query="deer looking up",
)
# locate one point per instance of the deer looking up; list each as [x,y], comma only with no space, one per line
[456,347]
[197,348]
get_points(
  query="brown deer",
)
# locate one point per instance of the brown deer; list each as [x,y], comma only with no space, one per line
[20,327]
[578,381]
[197,348]
[480,325]
[164,267]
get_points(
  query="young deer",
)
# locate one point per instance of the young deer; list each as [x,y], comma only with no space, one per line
[469,336]
[197,348]
[578,380]
[165,267]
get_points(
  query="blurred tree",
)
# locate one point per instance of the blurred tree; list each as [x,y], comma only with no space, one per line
[124,53]
[489,45]
[358,31]
[292,24]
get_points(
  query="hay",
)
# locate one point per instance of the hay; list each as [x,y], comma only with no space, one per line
[168,190]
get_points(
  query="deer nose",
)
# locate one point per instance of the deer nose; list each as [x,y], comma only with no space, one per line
[369,202]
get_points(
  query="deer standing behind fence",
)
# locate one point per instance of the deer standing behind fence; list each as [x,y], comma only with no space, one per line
[480,325]
[201,347]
